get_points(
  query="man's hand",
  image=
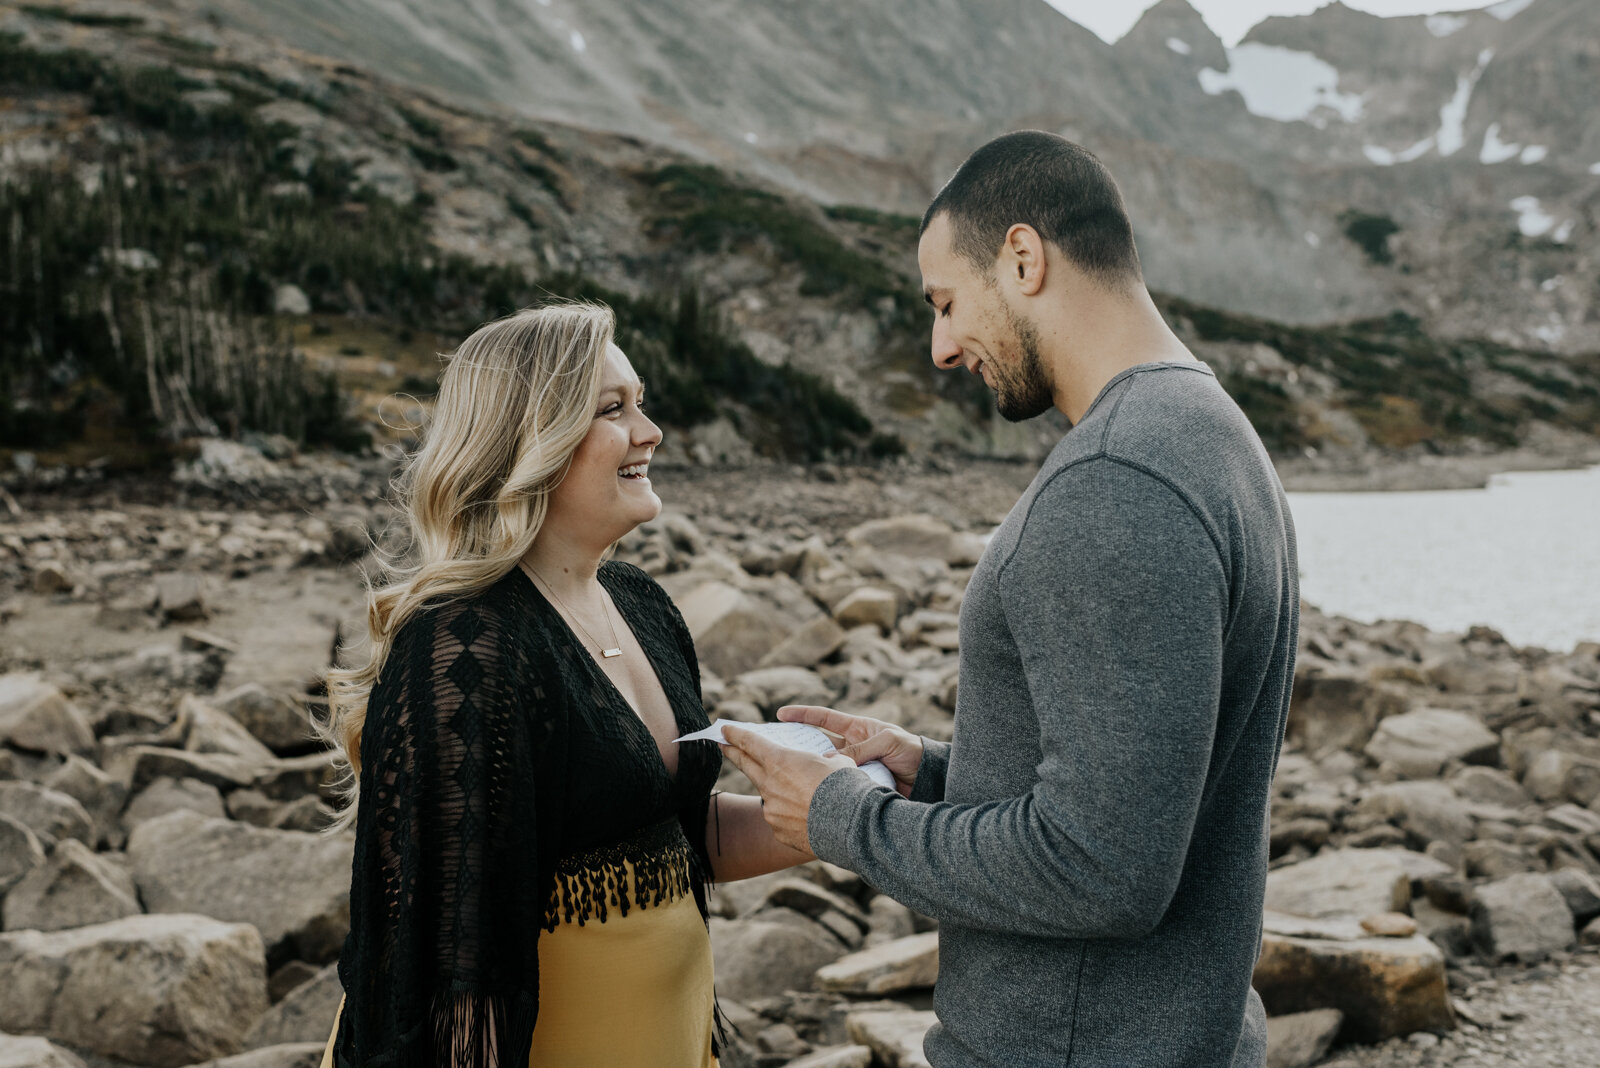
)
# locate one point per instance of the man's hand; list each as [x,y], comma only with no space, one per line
[787,779]
[866,739]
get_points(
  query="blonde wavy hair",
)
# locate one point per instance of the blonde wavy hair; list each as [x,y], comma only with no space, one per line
[515,401]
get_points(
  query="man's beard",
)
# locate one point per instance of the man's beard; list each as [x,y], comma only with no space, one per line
[1022,387]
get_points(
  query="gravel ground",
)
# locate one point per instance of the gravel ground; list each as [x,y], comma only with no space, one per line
[1545,1017]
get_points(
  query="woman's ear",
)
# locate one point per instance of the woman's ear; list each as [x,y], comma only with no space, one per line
[1023,253]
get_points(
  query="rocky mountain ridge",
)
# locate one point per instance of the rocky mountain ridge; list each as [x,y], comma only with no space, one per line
[1241,165]
[378,223]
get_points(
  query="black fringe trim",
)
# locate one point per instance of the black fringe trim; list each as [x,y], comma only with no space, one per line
[591,883]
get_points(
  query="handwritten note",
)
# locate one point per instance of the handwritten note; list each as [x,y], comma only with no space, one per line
[802,736]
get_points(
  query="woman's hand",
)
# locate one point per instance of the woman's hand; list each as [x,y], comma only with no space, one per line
[866,739]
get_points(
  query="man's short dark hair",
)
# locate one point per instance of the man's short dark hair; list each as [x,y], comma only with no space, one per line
[1057,187]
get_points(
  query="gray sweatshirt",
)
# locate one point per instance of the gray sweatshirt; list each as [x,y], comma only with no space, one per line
[1093,841]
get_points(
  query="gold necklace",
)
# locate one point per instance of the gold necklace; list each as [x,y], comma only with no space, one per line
[616,646]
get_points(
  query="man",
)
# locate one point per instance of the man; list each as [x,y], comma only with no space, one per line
[1093,842]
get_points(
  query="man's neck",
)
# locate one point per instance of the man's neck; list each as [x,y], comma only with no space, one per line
[1109,334]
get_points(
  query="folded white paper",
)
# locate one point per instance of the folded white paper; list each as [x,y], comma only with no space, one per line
[801,736]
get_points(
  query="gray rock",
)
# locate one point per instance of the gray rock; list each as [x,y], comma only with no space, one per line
[1419,744]
[1342,882]
[100,795]
[888,920]
[769,954]
[910,963]
[180,597]
[294,887]
[252,807]
[1301,1039]
[835,1057]
[918,536]
[1557,775]
[292,778]
[214,731]
[75,887]
[305,1015]
[1337,707]
[291,1055]
[1426,811]
[1489,786]
[772,688]
[866,605]
[166,795]
[808,646]
[31,1051]
[732,630]
[140,765]
[20,852]
[289,299]
[37,716]
[1581,891]
[1522,917]
[1496,860]
[302,814]
[162,991]
[278,722]
[287,978]
[809,899]
[895,1037]
[1384,986]
[49,813]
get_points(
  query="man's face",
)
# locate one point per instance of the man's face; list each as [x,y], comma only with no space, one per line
[974,327]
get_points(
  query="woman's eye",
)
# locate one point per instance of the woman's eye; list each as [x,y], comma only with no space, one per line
[641,405]
[612,410]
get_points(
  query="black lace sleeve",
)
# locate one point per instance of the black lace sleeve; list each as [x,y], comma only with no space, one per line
[441,964]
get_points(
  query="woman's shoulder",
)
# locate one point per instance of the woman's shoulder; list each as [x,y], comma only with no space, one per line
[634,582]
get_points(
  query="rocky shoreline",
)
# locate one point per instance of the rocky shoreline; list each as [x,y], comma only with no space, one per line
[1435,831]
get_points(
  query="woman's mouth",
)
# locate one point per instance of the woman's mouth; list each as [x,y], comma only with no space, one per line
[634,472]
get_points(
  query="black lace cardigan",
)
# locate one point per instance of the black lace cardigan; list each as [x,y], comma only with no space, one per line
[504,779]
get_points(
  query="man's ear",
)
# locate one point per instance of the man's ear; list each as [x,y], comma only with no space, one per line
[1022,259]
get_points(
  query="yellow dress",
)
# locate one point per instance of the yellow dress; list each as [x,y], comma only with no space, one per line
[629,990]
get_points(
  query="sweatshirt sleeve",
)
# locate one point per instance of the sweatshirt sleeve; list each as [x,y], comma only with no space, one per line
[1117,600]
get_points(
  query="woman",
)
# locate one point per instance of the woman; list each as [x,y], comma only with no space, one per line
[532,850]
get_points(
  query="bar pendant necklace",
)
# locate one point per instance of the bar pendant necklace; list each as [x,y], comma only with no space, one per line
[605,606]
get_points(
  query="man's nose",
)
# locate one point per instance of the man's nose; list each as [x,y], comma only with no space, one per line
[946,353]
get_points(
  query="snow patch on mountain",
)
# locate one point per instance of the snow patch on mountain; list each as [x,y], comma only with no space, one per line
[1179,45]
[1532,219]
[1533,154]
[1564,231]
[1507,10]
[1444,25]
[579,45]
[1495,150]
[1453,116]
[1282,84]
[1594,168]
[1384,157]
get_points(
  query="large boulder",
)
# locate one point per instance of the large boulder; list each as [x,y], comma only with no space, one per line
[140,765]
[279,722]
[213,731]
[1419,744]
[293,886]
[37,716]
[918,536]
[152,990]
[305,1015]
[808,646]
[732,631]
[75,887]
[910,963]
[1523,917]
[868,605]
[166,795]
[48,813]
[1557,775]
[772,688]
[1337,707]
[1427,811]
[1341,882]
[770,953]
[1384,986]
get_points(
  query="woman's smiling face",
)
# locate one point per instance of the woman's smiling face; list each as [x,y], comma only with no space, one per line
[607,490]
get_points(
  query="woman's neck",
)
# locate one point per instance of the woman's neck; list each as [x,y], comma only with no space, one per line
[564,566]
